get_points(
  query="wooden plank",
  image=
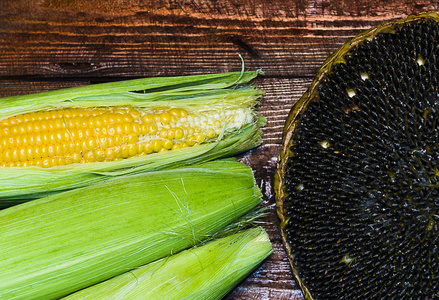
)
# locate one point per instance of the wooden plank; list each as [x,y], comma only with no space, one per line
[273,280]
[125,38]
[13,87]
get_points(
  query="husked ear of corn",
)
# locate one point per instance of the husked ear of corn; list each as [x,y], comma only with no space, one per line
[206,272]
[59,244]
[69,138]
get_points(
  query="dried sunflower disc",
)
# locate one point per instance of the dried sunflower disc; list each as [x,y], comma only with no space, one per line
[357,181]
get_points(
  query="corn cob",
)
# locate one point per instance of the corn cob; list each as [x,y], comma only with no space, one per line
[70,138]
[67,241]
[206,272]
[84,135]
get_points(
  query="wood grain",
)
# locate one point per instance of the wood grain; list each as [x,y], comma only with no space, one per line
[101,38]
[50,44]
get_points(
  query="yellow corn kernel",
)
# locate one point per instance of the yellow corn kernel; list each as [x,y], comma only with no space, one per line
[127,127]
[156,117]
[12,121]
[58,150]
[91,144]
[132,150]
[4,130]
[45,163]
[174,120]
[124,151]
[171,134]
[152,128]
[44,152]
[110,154]
[183,112]
[50,151]
[21,128]
[148,148]
[119,129]
[147,118]
[131,139]
[134,113]
[165,118]
[105,119]
[163,134]
[144,128]
[137,128]
[61,161]
[89,156]
[99,155]
[192,140]
[76,157]
[210,134]
[127,118]
[167,144]
[13,154]
[118,153]
[157,145]
[112,118]
[178,133]
[111,130]
[140,148]
[22,155]
[51,161]
[119,117]
[200,138]
[175,112]
[119,110]
[111,142]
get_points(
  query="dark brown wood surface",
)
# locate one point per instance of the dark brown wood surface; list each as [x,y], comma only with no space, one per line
[50,44]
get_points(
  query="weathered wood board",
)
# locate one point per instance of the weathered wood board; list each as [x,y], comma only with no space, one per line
[50,44]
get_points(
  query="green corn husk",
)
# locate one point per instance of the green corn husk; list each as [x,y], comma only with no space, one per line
[218,91]
[56,245]
[206,272]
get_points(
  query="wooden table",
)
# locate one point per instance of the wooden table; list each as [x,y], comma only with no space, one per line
[50,44]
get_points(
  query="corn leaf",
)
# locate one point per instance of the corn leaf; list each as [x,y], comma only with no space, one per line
[206,272]
[59,244]
[201,92]
[153,86]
